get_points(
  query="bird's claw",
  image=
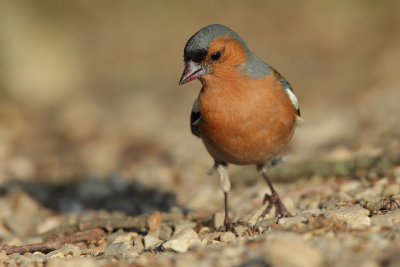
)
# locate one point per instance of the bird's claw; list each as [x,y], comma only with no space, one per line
[275,200]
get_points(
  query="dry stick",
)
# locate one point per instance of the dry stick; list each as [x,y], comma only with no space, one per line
[56,237]
[53,245]
[137,222]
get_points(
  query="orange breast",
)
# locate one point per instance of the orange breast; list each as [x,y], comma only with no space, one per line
[245,121]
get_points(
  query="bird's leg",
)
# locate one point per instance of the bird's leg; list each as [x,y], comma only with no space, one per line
[225,186]
[273,199]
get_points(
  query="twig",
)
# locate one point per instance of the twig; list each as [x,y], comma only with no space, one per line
[53,245]
[137,222]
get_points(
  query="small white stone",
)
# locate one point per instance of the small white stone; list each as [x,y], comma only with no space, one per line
[56,254]
[182,241]
[391,190]
[219,218]
[67,249]
[355,216]
[151,241]
[227,237]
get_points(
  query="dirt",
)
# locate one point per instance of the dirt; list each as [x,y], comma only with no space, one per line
[98,166]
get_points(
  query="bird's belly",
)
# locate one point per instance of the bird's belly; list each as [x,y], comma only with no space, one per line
[245,141]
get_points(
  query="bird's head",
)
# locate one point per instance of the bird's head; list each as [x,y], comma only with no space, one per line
[217,51]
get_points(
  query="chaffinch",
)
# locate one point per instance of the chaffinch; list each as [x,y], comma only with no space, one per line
[246,111]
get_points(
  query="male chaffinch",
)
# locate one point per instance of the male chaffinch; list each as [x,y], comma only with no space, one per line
[246,111]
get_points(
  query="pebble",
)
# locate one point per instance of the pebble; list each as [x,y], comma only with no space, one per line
[204,230]
[355,216]
[393,216]
[206,238]
[391,190]
[292,221]
[55,254]
[3,256]
[165,233]
[25,208]
[154,221]
[38,256]
[21,260]
[219,218]
[151,241]
[380,220]
[69,249]
[351,187]
[138,244]
[182,241]
[241,229]
[380,185]
[227,237]
[126,238]
[367,195]
[118,250]
[184,224]
[289,249]
[74,262]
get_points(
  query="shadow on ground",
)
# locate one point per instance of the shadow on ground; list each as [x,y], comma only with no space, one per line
[110,194]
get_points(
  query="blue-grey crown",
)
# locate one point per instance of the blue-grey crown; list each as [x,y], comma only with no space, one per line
[197,48]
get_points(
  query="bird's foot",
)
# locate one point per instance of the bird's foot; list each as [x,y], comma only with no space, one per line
[230,226]
[275,201]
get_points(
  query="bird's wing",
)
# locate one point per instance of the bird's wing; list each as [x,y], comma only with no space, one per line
[289,91]
[195,118]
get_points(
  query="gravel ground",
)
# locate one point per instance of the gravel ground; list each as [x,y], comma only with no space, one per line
[338,221]
[98,166]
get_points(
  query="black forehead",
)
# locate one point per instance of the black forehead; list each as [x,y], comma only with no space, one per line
[197,55]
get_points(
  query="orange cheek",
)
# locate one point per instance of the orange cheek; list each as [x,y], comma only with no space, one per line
[233,52]
[233,55]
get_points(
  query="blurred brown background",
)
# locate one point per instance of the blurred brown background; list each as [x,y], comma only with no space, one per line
[90,88]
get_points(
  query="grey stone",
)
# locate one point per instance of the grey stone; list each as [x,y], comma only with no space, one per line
[138,244]
[119,250]
[165,233]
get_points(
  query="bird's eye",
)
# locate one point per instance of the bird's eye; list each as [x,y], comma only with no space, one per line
[216,55]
